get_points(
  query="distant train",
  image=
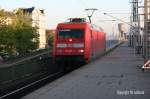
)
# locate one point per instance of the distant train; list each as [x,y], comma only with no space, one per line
[78,41]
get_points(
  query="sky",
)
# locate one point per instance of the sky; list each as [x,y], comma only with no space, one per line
[57,11]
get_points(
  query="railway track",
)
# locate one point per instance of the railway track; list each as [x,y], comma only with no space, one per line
[18,93]
[26,89]
[22,91]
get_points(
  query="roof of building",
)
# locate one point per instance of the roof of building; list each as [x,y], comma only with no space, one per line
[30,10]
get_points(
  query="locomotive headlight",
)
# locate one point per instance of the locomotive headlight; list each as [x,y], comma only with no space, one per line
[78,45]
[61,45]
[70,40]
[81,50]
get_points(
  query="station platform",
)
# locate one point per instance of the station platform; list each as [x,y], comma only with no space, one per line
[117,75]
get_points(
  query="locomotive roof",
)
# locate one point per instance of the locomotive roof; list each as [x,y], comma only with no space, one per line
[76,20]
[93,26]
[82,21]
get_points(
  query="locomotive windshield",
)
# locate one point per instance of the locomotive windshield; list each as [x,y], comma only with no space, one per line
[71,33]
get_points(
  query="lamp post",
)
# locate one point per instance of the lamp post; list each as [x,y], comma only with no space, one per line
[122,35]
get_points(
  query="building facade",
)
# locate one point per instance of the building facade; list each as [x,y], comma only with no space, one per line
[38,21]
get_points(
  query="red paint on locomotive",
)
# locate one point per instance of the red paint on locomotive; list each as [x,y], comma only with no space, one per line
[78,40]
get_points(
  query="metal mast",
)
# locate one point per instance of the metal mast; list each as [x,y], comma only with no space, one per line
[90,15]
[146,30]
[134,29]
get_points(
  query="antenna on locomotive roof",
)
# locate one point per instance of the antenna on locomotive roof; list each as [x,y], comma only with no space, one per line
[92,12]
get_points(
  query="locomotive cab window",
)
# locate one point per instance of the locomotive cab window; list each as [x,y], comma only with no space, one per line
[71,33]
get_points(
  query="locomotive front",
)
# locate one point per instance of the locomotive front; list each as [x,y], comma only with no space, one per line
[69,43]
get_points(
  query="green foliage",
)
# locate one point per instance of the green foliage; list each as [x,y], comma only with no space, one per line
[7,39]
[25,35]
[2,13]
[19,36]
[50,40]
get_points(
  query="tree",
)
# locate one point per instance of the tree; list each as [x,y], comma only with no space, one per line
[2,13]
[50,40]
[50,37]
[19,36]
[7,39]
[27,38]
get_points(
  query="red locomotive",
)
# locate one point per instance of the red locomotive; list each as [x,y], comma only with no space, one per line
[78,41]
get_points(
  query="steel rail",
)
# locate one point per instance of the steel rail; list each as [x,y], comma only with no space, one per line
[27,86]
